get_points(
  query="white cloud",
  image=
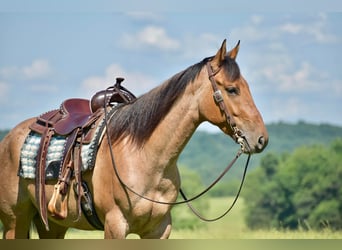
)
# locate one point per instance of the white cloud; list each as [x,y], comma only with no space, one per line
[145,16]
[44,88]
[136,82]
[291,109]
[255,29]
[38,69]
[200,46]
[4,91]
[292,28]
[285,76]
[8,72]
[298,80]
[252,31]
[336,89]
[316,29]
[289,90]
[151,36]
[256,19]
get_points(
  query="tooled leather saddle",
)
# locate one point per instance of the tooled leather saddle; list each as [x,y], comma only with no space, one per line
[77,120]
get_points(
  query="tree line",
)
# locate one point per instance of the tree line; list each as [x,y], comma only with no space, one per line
[302,189]
[209,153]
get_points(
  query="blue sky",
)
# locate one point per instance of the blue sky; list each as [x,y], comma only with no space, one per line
[291,59]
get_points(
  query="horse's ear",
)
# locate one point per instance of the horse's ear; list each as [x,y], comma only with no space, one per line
[233,53]
[220,55]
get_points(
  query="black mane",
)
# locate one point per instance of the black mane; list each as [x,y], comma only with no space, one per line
[139,119]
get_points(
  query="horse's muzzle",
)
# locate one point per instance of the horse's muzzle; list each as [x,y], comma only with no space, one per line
[250,148]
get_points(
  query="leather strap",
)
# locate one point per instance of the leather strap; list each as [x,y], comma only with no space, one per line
[78,174]
[40,175]
[87,205]
[67,162]
[219,98]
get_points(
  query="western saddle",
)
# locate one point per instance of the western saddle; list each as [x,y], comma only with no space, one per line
[77,120]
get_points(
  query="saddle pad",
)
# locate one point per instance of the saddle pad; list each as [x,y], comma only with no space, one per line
[29,150]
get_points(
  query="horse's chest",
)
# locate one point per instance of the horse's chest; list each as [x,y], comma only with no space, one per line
[145,216]
[151,208]
[146,212]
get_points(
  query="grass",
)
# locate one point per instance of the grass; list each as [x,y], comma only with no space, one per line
[232,226]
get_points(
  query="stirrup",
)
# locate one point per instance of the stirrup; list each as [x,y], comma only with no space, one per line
[58,204]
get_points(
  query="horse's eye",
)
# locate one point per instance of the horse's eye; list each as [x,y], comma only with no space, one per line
[232,91]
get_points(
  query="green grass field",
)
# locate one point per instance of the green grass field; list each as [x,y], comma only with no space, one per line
[230,227]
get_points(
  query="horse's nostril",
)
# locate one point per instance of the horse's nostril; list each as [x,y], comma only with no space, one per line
[261,142]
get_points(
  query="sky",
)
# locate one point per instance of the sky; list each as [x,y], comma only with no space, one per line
[48,52]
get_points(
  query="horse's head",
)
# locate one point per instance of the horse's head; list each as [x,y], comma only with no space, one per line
[231,107]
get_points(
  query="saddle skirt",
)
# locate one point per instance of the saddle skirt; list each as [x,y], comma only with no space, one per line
[54,158]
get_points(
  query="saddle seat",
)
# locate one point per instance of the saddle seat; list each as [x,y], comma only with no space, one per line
[76,113]
[73,114]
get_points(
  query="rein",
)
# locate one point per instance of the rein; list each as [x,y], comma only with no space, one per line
[233,203]
[238,136]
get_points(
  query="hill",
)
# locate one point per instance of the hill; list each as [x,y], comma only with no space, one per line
[209,153]
[3,133]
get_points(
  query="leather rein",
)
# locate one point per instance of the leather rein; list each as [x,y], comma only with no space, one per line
[238,136]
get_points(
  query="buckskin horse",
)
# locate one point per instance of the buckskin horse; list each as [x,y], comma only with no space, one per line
[146,138]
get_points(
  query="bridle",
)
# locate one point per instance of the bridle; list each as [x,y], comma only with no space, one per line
[237,135]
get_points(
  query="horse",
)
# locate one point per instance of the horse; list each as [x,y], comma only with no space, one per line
[146,138]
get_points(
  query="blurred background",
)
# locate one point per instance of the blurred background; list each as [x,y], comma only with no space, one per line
[290,58]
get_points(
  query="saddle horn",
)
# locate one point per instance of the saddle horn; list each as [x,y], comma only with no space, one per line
[114,94]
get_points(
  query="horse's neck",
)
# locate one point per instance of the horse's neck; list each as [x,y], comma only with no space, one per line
[175,130]
[154,164]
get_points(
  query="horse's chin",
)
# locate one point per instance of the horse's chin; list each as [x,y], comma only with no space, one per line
[245,146]
[246,149]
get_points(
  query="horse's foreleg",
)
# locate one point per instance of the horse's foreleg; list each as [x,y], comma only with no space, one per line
[116,226]
[55,231]
[8,230]
[162,231]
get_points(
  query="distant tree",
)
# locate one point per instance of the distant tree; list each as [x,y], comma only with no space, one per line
[263,196]
[269,164]
[303,189]
[3,133]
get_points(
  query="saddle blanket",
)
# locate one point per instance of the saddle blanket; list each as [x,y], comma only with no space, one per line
[29,151]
